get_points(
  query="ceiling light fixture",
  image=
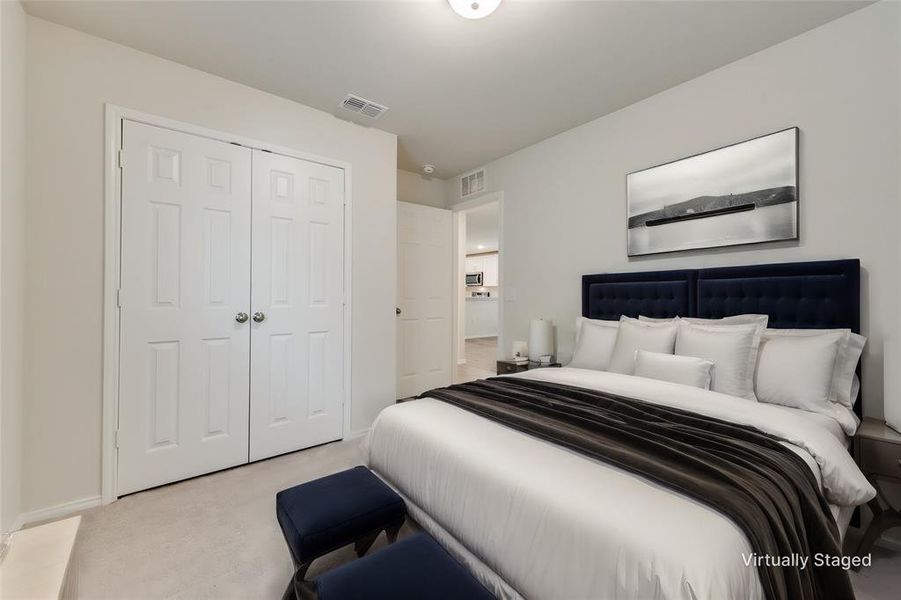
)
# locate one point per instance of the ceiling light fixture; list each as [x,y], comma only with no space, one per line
[474,9]
[480,247]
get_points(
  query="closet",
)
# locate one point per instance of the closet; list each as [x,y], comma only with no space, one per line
[231,305]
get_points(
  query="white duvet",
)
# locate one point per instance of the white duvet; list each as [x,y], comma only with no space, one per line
[535,520]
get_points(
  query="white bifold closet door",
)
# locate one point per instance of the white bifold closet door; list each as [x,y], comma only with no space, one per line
[184,359]
[230,306]
[298,282]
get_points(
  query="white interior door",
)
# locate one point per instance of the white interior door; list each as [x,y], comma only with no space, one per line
[297,301]
[185,260]
[424,297]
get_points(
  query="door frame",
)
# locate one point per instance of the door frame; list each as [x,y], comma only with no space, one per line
[459,270]
[112,239]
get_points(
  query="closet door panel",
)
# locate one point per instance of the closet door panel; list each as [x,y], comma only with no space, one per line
[298,281]
[184,359]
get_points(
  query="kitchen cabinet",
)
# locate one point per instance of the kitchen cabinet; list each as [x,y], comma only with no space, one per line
[481,317]
[486,264]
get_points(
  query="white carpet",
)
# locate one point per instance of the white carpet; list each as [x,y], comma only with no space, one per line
[217,537]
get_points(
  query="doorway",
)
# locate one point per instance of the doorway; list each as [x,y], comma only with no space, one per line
[478,287]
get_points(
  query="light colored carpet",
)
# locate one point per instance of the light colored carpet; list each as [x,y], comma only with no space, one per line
[208,537]
[217,537]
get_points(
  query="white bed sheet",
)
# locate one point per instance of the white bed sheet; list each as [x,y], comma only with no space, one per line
[537,520]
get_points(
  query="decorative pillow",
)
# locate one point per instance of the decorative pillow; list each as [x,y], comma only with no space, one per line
[636,335]
[686,370]
[732,348]
[730,320]
[594,343]
[797,371]
[843,390]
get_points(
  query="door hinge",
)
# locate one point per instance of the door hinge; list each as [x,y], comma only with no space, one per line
[121,158]
[120,297]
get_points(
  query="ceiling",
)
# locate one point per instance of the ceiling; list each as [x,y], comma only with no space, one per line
[461,92]
[482,228]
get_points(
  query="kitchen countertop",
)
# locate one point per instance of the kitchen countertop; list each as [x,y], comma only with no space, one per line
[481,298]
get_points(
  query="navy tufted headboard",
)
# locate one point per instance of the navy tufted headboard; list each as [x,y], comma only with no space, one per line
[802,295]
[653,294]
[811,295]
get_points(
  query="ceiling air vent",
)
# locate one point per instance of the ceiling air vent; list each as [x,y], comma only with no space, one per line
[365,107]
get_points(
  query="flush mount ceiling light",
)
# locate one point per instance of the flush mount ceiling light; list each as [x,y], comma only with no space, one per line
[474,9]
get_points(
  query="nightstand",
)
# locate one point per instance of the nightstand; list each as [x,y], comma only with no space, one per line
[878,451]
[505,367]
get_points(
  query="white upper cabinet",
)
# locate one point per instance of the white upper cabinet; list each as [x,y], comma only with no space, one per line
[485,264]
[489,268]
[473,264]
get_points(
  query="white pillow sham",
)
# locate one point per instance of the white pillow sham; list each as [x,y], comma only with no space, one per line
[686,370]
[731,348]
[594,343]
[636,335]
[730,320]
[797,371]
[843,390]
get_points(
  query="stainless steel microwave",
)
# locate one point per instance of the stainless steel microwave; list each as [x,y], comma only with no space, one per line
[474,279]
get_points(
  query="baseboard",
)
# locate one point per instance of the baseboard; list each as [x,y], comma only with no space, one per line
[357,434]
[51,513]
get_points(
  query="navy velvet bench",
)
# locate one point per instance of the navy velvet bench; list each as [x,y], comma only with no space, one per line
[415,568]
[320,516]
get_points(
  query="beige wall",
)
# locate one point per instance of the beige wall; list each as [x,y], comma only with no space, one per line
[12,256]
[412,187]
[565,200]
[70,77]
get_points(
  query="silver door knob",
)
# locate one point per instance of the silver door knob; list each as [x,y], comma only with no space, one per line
[397,310]
[241,317]
[258,317]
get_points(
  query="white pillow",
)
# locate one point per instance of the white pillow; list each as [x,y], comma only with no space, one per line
[730,320]
[686,370]
[733,350]
[843,389]
[594,343]
[636,335]
[797,371]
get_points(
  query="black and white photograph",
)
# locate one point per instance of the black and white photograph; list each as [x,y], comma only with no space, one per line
[741,194]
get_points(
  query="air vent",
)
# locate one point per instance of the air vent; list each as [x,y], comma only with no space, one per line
[365,107]
[472,183]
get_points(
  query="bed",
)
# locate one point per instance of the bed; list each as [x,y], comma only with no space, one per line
[536,520]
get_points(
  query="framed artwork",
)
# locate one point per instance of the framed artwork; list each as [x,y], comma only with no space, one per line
[746,193]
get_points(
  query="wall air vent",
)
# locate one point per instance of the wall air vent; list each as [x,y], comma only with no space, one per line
[365,107]
[472,183]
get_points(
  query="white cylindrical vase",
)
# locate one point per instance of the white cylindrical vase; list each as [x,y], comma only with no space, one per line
[541,339]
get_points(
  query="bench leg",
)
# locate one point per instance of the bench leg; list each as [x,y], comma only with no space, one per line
[363,544]
[299,588]
[392,531]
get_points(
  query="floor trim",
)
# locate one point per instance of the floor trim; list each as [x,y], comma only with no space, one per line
[56,512]
[356,434]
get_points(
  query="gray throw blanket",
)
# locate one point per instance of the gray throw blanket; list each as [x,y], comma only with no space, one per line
[765,488]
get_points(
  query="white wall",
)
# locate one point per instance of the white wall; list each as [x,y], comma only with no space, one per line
[70,77]
[414,188]
[12,255]
[566,201]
